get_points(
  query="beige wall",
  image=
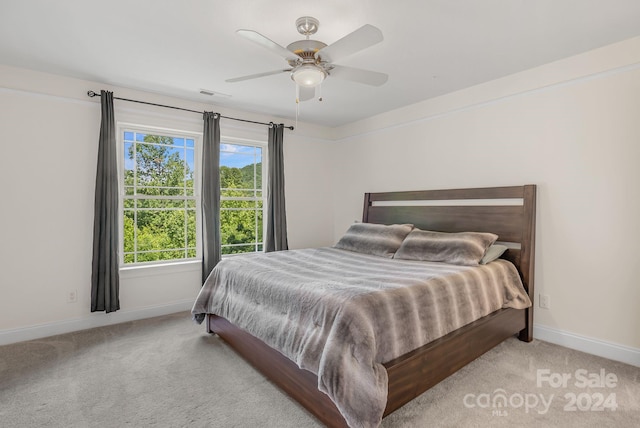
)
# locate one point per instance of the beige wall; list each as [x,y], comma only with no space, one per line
[572,128]
[48,132]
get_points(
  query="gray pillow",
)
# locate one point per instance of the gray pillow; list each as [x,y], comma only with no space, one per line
[463,248]
[493,252]
[375,239]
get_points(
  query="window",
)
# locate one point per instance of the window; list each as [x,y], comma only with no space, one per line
[241,200]
[159,200]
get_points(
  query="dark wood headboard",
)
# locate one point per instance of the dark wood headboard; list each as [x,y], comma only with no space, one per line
[509,212]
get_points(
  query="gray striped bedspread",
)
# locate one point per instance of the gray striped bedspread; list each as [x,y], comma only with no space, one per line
[341,314]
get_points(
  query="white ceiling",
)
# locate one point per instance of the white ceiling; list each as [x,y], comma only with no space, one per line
[430,47]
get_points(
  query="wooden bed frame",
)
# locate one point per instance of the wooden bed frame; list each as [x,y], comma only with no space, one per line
[415,372]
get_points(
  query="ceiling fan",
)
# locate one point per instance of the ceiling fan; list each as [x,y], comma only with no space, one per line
[312,61]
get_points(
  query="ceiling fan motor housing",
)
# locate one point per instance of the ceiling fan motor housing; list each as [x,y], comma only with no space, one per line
[306,50]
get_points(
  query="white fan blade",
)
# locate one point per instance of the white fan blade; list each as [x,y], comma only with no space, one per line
[255,76]
[265,42]
[362,38]
[305,93]
[367,77]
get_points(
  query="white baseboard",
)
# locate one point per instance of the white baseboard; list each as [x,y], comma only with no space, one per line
[98,319]
[601,348]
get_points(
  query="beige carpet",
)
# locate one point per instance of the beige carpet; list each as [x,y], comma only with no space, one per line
[167,372]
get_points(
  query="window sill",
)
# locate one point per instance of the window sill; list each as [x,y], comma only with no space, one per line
[160,269]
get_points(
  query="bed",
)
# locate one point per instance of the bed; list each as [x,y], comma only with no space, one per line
[508,212]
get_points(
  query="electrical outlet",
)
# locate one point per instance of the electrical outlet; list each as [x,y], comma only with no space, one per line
[545,301]
[72,296]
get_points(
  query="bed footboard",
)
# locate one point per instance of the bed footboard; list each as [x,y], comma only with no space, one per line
[434,362]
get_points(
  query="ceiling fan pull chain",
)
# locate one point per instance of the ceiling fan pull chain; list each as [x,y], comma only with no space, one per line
[297,103]
[320,92]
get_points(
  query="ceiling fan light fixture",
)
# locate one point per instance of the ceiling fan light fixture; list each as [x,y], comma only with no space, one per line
[308,75]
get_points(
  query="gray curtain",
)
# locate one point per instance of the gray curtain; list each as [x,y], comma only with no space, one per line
[210,193]
[105,277]
[276,238]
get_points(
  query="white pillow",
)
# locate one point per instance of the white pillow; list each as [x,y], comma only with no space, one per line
[493,252]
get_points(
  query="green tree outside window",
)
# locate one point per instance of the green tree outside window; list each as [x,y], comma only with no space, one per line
[159,202]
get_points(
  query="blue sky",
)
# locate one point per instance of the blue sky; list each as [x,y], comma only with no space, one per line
[237,156]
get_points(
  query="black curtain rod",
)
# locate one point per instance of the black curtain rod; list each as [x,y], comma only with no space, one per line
[95,94]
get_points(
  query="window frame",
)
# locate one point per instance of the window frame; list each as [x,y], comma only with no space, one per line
[181,264]
[263,145]
[123,127]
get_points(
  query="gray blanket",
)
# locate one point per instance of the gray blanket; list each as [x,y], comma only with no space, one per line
[341,314]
